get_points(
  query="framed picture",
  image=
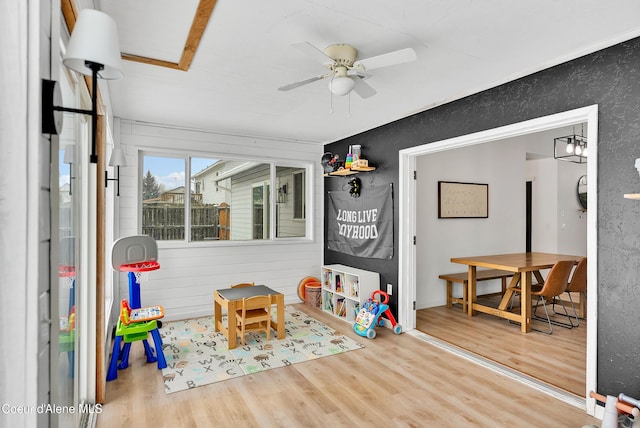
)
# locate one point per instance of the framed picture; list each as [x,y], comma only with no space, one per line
[463,200]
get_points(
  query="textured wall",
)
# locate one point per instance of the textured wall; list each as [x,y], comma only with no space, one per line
[609,78]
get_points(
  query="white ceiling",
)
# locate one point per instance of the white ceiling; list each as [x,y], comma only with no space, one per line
[463,46]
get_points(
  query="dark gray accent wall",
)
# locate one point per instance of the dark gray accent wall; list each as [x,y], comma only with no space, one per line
[609,78]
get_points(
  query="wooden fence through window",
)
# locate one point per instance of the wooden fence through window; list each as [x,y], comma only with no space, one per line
[166,222]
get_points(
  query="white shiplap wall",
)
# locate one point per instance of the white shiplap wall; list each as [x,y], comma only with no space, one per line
[189,273]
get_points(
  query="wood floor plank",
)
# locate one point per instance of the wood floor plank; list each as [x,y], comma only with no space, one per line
[395,381]
[558,359]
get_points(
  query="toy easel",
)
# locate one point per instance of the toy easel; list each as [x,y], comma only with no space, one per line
[66,324]
[136,255]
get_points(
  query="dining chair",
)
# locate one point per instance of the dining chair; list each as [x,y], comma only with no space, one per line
[577,284]
[243,284]
[555,284]
[254,315]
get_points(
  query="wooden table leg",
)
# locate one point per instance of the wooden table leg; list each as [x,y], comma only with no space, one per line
[525,303]
[471,293]
[231,324]
[538,276]
[280,306]
[217,312]
[506,297]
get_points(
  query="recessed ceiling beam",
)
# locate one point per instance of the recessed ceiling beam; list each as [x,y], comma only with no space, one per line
[199,24]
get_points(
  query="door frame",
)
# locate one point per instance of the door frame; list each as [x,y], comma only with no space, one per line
[407,210]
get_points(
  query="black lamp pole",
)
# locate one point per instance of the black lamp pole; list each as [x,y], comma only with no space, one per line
[95,67]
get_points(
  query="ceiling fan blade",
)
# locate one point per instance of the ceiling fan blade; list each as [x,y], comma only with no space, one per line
[362,88]
[312,51]
[300,83]
[384,60]
[358,73]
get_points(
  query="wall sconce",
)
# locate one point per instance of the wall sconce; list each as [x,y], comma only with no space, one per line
[93,50]
[282,194]
[117,159]
[69,157]
[572,148]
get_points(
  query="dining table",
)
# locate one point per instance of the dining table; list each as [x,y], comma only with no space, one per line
[230,299]
[525,266]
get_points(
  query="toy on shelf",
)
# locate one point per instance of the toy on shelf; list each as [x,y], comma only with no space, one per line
[371,314]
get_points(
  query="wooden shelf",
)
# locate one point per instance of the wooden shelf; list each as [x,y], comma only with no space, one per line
[364,169]
[635,196]
[345,172]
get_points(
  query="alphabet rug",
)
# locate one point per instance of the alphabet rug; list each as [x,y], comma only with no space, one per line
[197,355]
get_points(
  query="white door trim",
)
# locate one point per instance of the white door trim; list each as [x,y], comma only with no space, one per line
[407,210]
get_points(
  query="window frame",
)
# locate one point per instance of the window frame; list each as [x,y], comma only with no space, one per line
[304,166]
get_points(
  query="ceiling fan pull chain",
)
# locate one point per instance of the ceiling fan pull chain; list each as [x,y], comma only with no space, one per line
[349,106]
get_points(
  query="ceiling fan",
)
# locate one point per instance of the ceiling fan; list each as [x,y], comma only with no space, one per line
[346,71]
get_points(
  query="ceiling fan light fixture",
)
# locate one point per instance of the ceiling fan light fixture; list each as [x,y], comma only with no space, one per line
[341,85]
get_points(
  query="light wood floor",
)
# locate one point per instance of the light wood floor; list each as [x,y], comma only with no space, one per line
[395,381]
[558,359]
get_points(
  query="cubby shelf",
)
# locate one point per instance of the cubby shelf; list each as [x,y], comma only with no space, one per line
[345,289]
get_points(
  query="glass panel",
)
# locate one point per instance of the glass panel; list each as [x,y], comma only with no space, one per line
[69,176]
[290,202]
[229,199]
[163,197]
[210,201]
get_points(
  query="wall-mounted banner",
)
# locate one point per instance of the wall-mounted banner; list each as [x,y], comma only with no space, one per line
[362,226]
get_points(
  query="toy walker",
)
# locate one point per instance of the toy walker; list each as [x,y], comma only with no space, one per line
[371,314]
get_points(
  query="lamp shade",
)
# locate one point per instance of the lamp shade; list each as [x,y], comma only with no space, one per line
[94,39]
[69,154]
[117,158]
[341,85]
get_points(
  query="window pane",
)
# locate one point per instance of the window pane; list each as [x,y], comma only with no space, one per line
[209,203]
[163,197]
[290,202]
[240,212]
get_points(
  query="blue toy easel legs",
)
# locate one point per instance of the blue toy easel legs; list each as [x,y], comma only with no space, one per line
[122,355]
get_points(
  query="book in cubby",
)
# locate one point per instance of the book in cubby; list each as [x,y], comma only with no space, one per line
[345,288]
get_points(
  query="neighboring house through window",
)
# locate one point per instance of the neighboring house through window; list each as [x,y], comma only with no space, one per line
[224,200]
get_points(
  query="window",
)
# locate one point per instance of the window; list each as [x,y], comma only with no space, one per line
[224,200]
[163,193]
[290,202]
[298,196]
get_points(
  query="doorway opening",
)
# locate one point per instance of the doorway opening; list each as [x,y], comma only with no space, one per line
[408,208]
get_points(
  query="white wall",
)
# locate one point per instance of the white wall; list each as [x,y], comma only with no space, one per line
[504,166]
[543,174]
[189,274]
[440,239]
[25,212]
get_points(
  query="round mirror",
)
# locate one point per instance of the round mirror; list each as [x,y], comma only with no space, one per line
[582,191]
